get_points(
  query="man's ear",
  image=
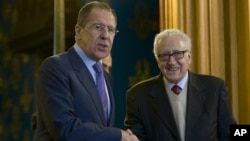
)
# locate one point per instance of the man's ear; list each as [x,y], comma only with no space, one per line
[190,57]
[78,31]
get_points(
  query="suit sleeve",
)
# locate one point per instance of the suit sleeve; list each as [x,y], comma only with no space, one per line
[132,118]
[56,109]
[225,117]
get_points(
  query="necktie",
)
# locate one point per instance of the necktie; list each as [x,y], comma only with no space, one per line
[176,89]
[101,87]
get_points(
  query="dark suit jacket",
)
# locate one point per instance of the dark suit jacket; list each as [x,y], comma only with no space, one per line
[68,105]
[150,116]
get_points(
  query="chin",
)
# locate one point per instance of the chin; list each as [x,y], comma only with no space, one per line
[172,79]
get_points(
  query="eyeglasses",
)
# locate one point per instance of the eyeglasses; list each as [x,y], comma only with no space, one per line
[101,28]
[177,55]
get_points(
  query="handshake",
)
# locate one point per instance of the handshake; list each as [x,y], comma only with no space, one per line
[128,136]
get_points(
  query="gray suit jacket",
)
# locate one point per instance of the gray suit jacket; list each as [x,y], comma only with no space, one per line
[68,105]
[149,114]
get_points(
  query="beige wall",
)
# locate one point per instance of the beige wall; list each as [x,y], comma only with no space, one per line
[220,35]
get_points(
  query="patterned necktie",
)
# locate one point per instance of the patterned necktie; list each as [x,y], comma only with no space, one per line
[176,89]
[101,87]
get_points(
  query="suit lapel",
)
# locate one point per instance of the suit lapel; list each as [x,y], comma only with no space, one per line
[160,103]
[195,102]
[86,80]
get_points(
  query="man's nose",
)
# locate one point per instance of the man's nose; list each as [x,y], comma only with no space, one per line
[171,60]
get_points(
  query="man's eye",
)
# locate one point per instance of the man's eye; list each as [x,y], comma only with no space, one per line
[98,26]
[177,53]
[165,55]
[111,29]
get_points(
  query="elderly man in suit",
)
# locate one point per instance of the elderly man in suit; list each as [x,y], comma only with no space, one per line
[74,96]
[177,104]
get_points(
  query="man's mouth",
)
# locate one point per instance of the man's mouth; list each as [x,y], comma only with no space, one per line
[102,45]
[172,69]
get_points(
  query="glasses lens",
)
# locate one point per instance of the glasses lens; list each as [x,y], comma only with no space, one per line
[101,28]
[98,27]
[178,55]
[163,57]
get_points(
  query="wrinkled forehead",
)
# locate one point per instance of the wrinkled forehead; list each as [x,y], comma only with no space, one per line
[171,43]
[98,14]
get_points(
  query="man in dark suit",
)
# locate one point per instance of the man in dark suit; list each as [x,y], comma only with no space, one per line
[69,105]
[178,105]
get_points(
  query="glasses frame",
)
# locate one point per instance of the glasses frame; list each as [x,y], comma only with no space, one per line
[101,28]
[174,54]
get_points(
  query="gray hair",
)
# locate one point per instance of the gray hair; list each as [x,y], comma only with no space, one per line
[83,15]
[168,33]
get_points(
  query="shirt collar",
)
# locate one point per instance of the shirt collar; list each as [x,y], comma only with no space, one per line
[181,83]
[87,60]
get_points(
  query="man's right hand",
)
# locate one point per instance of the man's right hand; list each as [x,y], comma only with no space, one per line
[128,136]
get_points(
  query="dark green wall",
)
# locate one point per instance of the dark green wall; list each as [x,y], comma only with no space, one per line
[133,59]
[16,83]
